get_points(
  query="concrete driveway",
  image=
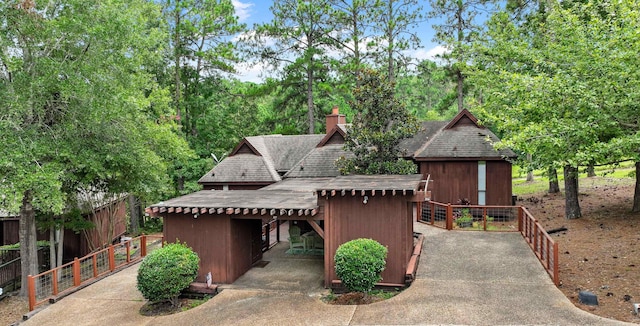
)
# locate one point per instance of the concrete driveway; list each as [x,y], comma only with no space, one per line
[464,278]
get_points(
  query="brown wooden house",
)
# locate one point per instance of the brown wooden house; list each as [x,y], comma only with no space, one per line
[224,227]
[294,178]
[459,157]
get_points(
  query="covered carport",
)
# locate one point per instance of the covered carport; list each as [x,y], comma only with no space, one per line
[225,227]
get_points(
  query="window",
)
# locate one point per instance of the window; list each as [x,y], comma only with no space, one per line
[482,182]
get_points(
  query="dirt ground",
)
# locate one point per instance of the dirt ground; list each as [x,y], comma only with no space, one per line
[599,252]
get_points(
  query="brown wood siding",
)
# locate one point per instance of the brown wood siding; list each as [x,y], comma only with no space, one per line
[245,246]
[499,185]
[227,247]
[336,138]
[10,231]
[387,220]
[208,236]
[452,180]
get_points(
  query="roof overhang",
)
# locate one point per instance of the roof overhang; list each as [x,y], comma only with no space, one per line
[241,202]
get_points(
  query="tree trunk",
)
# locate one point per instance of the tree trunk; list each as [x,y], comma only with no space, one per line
[554,187]
[572,205]
[530,173]
[176,53]
[52,246]
[390,39]
[134,215]
[28,241]
[591,171]
[636,194]
[460,90]
[460,39]
[60,246]
[310,110]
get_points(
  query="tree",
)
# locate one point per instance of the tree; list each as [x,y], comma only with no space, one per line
[200,32]
[354,19]
[381,122]
[299,37]
[74,96]
[394,20]
[557,95]
[458,32]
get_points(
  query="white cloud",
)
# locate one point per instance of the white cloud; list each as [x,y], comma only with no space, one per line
[430,54]
[254,71]
[242,9]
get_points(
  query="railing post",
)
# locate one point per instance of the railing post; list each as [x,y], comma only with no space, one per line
[127,245]
[143,245]
[76,272]
[94,262]
[31,284]
[484,218]
[55,281]
[520,215]
[432,209]
[112,259]
[449,217]
[556,276]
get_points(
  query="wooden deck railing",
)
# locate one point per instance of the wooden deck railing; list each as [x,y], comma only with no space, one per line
[496,218]
[541,243]
[69,277]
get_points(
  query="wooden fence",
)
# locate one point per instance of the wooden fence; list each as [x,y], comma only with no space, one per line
[496,218]
[69,277]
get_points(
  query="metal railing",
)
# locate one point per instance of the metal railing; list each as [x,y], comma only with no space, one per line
[496,218]
[68,277]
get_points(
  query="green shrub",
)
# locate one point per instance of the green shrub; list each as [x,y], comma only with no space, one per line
[359,263]
[165,272]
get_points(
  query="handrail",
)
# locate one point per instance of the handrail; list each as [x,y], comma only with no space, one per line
[69,277]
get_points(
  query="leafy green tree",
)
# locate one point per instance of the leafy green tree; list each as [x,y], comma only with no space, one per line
[557,94]
[298,37]
[458,31]
[354,19]
[359,264]
[425,90]
[381,122]
[74,96]
[394,20]
[165,272]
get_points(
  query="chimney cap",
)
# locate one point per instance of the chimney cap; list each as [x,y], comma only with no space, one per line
[335,110]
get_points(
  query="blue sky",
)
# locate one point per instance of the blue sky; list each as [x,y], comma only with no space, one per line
[253,12]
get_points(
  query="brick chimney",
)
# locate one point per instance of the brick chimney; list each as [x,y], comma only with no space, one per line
[335,118]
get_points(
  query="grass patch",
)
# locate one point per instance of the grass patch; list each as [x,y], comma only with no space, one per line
[623,174]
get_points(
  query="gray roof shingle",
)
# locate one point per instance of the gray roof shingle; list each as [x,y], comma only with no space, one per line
[278,154]
[241,168]
[464,142]
[409,146]
[319,162]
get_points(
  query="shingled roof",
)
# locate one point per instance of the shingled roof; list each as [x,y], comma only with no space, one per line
[261,159]
[461,138]
[409,146]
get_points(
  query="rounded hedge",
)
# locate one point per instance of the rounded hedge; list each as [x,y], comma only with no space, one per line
[359,264]
[165,272]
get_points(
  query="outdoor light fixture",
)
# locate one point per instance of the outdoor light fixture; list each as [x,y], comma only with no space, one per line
[365,199]
[196,215]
